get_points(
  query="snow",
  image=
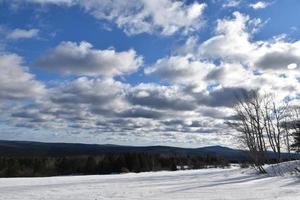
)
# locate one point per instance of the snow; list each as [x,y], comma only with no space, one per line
[284,168]
[209,184]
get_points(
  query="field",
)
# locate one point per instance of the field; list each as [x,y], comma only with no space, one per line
[207,184]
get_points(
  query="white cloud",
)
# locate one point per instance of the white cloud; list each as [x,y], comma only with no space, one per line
[231,75]
[165,17]
[231,3]
[101,94]
[181,70]
[106,106]
[270,65]
[231,41]
[161,97]
[277,55]
[82,59]
[202,79]
[15,81]
[22,34]
[259,5]
[53,1]
[80,103]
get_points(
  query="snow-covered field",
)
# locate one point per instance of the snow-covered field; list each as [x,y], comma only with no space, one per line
[206,184]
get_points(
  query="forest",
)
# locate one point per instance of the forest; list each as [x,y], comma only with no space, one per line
[104,164]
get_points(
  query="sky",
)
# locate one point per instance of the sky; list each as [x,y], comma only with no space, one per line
[141,72]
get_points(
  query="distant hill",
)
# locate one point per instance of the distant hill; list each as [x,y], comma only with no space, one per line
[25,148]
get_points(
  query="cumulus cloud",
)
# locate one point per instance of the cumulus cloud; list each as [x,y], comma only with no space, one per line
[33,115]
[231,41]
[231,3]
[230,62]
[232,75]
[279,55]
[15,81]
[141,113]
[165,17]
[199,82]
[181,70]
[57,2]
[81,102]
[198,89]
[160,97]
[109,106]
[18,33]
[70,58]
[259,5]
[226,97]
[98,94]
[22,34]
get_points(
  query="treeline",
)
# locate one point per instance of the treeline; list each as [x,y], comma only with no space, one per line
[103,164]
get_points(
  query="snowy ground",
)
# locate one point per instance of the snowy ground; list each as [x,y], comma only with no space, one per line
[206,184]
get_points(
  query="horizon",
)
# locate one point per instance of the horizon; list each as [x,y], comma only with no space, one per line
[141,73]
[104,144]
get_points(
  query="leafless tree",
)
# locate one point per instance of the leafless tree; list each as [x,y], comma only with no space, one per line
[250,124]
[274,115]
[262,124]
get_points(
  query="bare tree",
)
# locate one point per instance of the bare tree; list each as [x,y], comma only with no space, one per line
[261,122]
[250,124]
[274,115]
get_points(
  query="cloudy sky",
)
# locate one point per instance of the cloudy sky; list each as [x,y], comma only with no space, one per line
[141,72]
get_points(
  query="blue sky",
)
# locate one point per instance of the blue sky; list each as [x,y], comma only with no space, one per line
[140,72]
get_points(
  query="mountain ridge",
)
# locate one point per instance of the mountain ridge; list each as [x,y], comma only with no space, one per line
[31,148]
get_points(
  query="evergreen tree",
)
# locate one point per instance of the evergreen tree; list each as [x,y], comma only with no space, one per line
[91,165]
[296,144]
